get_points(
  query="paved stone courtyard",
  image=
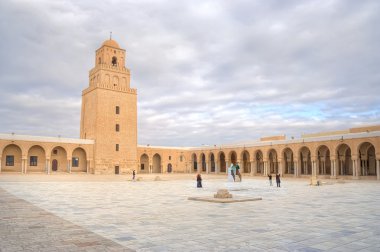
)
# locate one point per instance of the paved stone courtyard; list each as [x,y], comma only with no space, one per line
[111,212]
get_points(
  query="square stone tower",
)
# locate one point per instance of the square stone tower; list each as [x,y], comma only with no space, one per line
[109,112]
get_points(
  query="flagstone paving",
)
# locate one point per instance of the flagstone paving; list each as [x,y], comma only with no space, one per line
[156,215]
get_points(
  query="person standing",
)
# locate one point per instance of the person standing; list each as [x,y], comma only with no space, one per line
[278,181]
[233,169]
[133,175]
[238,171]
[199,181]
[270,179]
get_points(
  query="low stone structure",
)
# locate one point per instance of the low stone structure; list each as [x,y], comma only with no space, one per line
[222,194]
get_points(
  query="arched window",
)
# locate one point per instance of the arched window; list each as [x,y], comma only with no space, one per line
[114,61]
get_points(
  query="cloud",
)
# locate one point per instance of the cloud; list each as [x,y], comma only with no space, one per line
[208,72]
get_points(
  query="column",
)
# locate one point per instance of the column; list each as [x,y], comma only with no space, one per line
[24,165]
[253,168]
[295,168]
[207,168]
[217,167]
[378,169]
[313,169]
[266,168]
[199,167]
[227,165]
[1,160]
[355,169]
[48,165]
[88,166]
[68,165]
[333,171]
[280,167]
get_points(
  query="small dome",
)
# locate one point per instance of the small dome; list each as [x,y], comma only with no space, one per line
[111,43]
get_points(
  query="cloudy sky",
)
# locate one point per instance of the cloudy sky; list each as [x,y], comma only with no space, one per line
[207,72]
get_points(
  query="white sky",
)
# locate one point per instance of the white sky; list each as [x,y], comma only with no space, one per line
[207,72]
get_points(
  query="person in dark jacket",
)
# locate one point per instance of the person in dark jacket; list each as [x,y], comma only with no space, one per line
[270,179]
[199,181]
[278,180]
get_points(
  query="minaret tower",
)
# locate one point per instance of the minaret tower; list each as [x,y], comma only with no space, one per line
[109,112]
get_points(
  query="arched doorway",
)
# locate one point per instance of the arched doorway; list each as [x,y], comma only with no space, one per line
[79,160]
[59,154]
[288,161]
[169,168]
[259,162]
[144,163]
[345,161]
[54,165]
[156,163]
[222,162]
[203,157]
[36,159]
[246,162]
[194,162]
[324,162]
[367,157]
[305,158]
[11,159]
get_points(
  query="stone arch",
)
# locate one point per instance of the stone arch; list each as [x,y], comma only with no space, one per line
[79,160]
[232,156]
[222,162]
[11,159]
[246,162]
[144,163]
[324,161]
[259,158]
[156,163]
[288,159]
[367,159]
[343,154]
[212,161]
[36,161]
[58,159]
[305,160]
[273,161]
[194,163]
[203,162]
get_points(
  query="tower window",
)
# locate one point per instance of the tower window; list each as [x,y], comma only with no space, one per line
[117,110]
[170,157]
[114,61]
[33,160]
[117,147]
[117,127]
[100,60]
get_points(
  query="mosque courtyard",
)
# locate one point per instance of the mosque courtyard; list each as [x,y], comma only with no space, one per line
[80,212]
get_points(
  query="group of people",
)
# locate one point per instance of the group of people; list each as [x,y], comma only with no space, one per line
[278,180]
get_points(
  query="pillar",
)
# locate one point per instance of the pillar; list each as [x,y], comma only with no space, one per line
[253,168]
[69,165]
[355,168]
[333,170]
[207,167]
[217,167]
[280,167]
[265,168]
[88,166]
[313,169]
[1,160]
[24,165]
[377,169]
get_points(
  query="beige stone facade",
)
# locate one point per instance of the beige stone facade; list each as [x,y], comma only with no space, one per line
[108,141]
